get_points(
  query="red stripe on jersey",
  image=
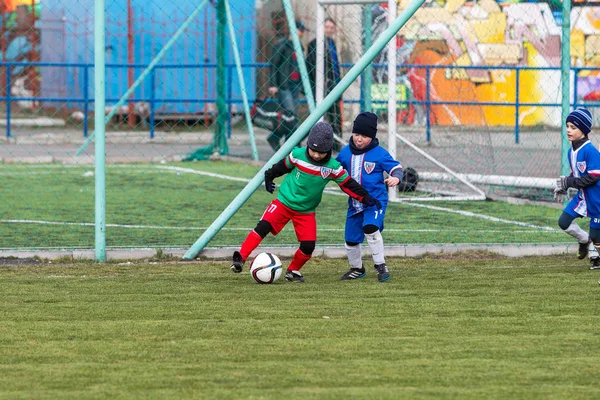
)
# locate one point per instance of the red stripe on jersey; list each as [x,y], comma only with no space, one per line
[345,180]
[348,191]
[308,170]
[341,173]
[288,162]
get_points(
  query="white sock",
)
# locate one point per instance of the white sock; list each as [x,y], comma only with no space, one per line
[354,256]
[593,253]
[578,233]
[375,241]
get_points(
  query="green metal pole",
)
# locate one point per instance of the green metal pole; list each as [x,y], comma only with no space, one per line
[145,73]
[238,64]
[99,102]
[303,129]
[368,73]
[565,69]
[289,13]
[220,128]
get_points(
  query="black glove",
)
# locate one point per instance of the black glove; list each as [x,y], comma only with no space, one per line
[560,195]
[371,201]
[561,183]
[269,184]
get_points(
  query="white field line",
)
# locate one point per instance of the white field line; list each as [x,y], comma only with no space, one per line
[487,217]
[203,228]
[203,173]
[68,169]
[332,191]
[340,193]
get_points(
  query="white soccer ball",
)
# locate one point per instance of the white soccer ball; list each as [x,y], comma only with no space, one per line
[266,268]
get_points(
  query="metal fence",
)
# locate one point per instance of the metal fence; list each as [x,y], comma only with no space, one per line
[153,101]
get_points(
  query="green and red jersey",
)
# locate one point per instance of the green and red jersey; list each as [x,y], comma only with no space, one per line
[302,188]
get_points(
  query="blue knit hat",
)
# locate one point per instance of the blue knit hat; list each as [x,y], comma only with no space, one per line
[582,119]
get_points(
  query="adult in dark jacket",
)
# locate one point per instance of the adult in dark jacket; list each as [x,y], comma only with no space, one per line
[284,80]
[332,75]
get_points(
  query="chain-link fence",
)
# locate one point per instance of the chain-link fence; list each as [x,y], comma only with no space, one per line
[473,106]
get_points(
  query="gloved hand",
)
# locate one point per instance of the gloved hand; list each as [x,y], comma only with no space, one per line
[560,195]
[371,201]
[269,184]
[562,183]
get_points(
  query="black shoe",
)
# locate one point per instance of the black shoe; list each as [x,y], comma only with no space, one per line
[382,272]
[354,273]
[583,250]
[595,263]
[238,262]
[294,276]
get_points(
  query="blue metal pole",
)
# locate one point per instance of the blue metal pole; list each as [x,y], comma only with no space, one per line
[141,78]
[428,105]
[8,100]
[86,103]
[229,96]
[99,96]
[152,100]
[565,69]
[575,83]
[303,129]
[517,84]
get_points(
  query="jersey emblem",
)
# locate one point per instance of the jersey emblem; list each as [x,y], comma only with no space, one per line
[369,167]
[581,166]
[325,172]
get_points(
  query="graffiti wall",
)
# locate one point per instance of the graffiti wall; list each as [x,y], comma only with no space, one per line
[497,34]
[19,42]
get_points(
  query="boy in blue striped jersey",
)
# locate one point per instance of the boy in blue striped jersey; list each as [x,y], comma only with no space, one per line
[584,160]
[366,163]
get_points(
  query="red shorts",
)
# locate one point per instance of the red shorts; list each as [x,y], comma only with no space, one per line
[278,215]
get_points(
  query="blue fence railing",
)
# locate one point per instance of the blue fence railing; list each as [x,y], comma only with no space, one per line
[86,100]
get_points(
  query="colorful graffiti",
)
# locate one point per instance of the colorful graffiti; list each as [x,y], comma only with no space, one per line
[19,42]
[462,33]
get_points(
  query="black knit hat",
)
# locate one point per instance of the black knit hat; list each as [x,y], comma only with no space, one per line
[365,124]
[320,137]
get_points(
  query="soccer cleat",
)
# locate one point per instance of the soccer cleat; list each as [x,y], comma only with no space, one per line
[294,276]
[595,263]
[354,273]
[382,272]
[238,262]
[583,250]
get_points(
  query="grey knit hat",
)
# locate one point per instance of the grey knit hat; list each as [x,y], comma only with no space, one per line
[320,137]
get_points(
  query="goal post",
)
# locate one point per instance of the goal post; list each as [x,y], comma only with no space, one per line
[303,129]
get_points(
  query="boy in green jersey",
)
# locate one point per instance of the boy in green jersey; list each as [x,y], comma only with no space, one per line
[308,170]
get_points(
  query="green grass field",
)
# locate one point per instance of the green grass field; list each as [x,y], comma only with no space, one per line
[160,205]
[476,326]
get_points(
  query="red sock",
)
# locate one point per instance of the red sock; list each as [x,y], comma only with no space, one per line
[299,260]
[252,241]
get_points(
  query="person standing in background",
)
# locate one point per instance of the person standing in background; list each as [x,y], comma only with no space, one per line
[284,80]
[332,76]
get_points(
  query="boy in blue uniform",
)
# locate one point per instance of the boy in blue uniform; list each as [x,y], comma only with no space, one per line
[584,160]
[366,162]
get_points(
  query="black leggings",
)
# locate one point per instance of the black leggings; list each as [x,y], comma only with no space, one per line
[595,236]
[565,220]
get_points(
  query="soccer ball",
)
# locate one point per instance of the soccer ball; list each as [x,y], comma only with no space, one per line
[266,268]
